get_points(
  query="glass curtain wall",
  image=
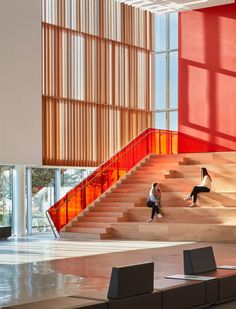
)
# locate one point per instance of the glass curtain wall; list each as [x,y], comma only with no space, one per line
[45,186]
[166,71]
[42,197]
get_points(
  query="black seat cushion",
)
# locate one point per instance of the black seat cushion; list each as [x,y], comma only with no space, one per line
[199,260]
[131,280]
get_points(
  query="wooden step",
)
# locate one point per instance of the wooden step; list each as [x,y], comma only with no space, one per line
[114,204]
[132,189]
[110,214]
[131,195]
[122,199]
[99,219]
[109,209]
[159,167]
[210,156]
[85,236]
[161,170]
[79,236]
[162,164]
[164,161]
[174,232]
[212,199]
[151,172]
[176,155]
[223,169]
[90,230]
[219,180]
[90,224]
[142,181]
[222,196]
[176,199]
[146,177]
[199,161]
[209,215]
[118,208]
[145,187]
[134,185]
[195,174]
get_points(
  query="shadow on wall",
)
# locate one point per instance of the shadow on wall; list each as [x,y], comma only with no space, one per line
[207,79]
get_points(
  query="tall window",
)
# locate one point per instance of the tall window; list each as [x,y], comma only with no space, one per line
[44,187]
[166,71]
[6,185]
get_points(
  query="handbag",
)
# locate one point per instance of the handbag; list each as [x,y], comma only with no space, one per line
[150,204]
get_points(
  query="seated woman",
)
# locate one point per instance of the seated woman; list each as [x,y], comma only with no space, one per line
[154,201]
[205,186]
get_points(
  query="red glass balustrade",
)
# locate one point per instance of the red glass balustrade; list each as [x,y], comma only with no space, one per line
[75,201]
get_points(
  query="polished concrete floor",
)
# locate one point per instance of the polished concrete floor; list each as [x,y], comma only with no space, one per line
[44,247]
[37,268]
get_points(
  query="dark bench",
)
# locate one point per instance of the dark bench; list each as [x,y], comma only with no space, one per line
[226,284]
[201,261]
[126,287]
[131,287]
[5,232]
[185,294]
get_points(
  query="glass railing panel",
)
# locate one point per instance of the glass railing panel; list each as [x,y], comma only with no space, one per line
[71,177]
[174,142]
[163,142]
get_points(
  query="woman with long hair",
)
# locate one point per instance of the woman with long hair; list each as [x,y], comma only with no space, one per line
[205,186]
[154,201]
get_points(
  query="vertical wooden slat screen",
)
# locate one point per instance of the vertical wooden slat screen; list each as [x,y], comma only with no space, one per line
[97,71]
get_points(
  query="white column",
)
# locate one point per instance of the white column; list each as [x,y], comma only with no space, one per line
[57,186]
[19,201]
[29,199]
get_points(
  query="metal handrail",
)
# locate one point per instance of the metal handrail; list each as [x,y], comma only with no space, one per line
[51,225]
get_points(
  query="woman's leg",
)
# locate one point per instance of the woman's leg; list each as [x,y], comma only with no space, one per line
[197,190]
[153,211]
[189,197]
[193,191]
[157,209]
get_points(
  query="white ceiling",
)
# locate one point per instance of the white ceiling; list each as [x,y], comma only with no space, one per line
[167,6]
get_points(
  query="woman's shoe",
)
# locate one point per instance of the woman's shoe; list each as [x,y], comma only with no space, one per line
[187,198]
[149,220]
[193,205]
[159,215]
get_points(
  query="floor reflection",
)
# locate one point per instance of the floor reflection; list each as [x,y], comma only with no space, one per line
[80,272]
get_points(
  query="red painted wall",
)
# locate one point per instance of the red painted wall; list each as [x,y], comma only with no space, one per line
[207,79]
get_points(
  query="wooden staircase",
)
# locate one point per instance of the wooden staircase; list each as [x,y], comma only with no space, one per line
[121,211]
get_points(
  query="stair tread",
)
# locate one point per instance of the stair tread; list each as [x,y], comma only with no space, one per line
[172,223]
[87,229]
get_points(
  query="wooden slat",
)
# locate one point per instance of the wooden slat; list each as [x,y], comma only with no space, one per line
[97,84]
